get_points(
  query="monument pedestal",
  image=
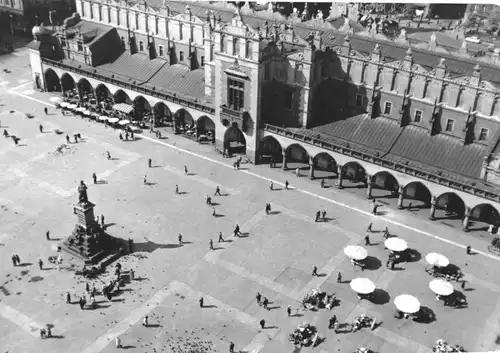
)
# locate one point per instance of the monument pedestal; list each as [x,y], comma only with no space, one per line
[88,241]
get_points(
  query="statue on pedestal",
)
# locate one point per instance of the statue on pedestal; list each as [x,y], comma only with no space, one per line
[82,193]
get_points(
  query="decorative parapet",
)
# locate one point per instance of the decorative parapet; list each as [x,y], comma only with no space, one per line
[167,96]
[375,158]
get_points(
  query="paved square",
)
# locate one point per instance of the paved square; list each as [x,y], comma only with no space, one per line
[37,190]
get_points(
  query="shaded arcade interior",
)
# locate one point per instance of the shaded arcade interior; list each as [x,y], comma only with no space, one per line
[383,186]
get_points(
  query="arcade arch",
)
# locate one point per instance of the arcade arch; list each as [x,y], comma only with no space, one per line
[52,82]
[485,214]
[205,126]
[68,83]
[234,140]
[270,151]
[162,114]
[84,87]
[385,184]
[449,205]
[418,193]
[121,97]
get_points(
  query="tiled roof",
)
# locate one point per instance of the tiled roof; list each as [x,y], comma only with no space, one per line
[412,144]
[440,151]
[180,79]
[136,67]
[375,134]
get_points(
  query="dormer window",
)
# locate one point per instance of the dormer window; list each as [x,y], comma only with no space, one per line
[80,46]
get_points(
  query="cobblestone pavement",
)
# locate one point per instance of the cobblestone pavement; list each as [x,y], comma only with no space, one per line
[274,257]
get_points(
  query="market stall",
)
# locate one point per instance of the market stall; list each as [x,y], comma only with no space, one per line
[303,335]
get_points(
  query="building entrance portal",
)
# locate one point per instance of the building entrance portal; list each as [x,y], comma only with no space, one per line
[234,140]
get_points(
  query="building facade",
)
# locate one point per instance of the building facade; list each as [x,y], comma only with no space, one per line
[306,89]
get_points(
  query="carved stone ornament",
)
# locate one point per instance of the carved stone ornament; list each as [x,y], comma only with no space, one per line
[301,56]
[283,36]
[249,34]
[296,39]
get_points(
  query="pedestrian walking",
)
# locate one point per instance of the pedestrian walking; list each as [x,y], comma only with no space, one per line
[315,271]
[67,139]
[214,213]
[185,170]
[297,172]
[375,209]
[14,261]
[336,326]
[209,201]
[126,135]
[367,240]
[40,264]
[286,184]
[120,136]
[75,137]
[94,178]
[237,232]
[87,287]
[332,321]
[145,321]
[108,155]
[217,191]
[462,285]
[131,274]
[102,220]
[386,233]
[150,162]
[289,310]
[369,229]
[323,214]
[268,208]
[180,239]
[262,323]
[118,342]
[176,189]
[258,297]
[47,235]
[145,179]
[221,240]
[132,135]
[68,298]
[271,186]
[265,303]
[231,347]
[41,128]
[322,183]
[42,333]
[201,302]
[46,111]
[339,278]
[318,214]
[211,244]
[468,250]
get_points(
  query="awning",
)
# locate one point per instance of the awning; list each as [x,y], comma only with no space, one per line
[123,107]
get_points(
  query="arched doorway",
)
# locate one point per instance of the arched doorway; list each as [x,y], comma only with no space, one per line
[163,115]
[325,167]
[384,185]
[483,215]
[85,88]
[183,121]
[52,81]
[142,108]
[419,195]
[68,83]
[234,140]
[121,97]
[205,129]
[297,157]
[270,151]
[355,174]
[449,205]
[104,96]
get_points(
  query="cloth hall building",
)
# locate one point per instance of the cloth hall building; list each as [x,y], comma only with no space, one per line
[312,91]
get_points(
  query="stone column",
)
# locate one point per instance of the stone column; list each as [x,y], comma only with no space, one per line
[433,208]
[400,197]
[62,89]
[369,186]
[465,222]
[311,168]
[339,176]
[283,164]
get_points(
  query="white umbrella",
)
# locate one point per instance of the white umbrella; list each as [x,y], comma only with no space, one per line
[362,285]
[55,99]
[407,303]
[436,259]
[124,122]
[134,128]
[86,112]
[113,120]
[72,106]
[356,252]
[103,118]
[64,104]
[80,109]
[441,287]
[396,244]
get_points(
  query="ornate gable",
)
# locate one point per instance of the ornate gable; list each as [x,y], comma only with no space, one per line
[419,69]
[398,64]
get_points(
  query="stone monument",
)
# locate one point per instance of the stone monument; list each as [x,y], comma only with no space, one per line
[88,241]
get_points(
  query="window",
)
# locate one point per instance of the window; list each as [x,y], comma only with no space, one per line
[235,93]
[63,43]
[202,61]
[236,47]
[248,49]
[181,56]
[449,124]
[418,116]
[180,30]
[387,108]
[359,100]
[483,135]
[80,46]
[141,46]
[289,100]
[160,50]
